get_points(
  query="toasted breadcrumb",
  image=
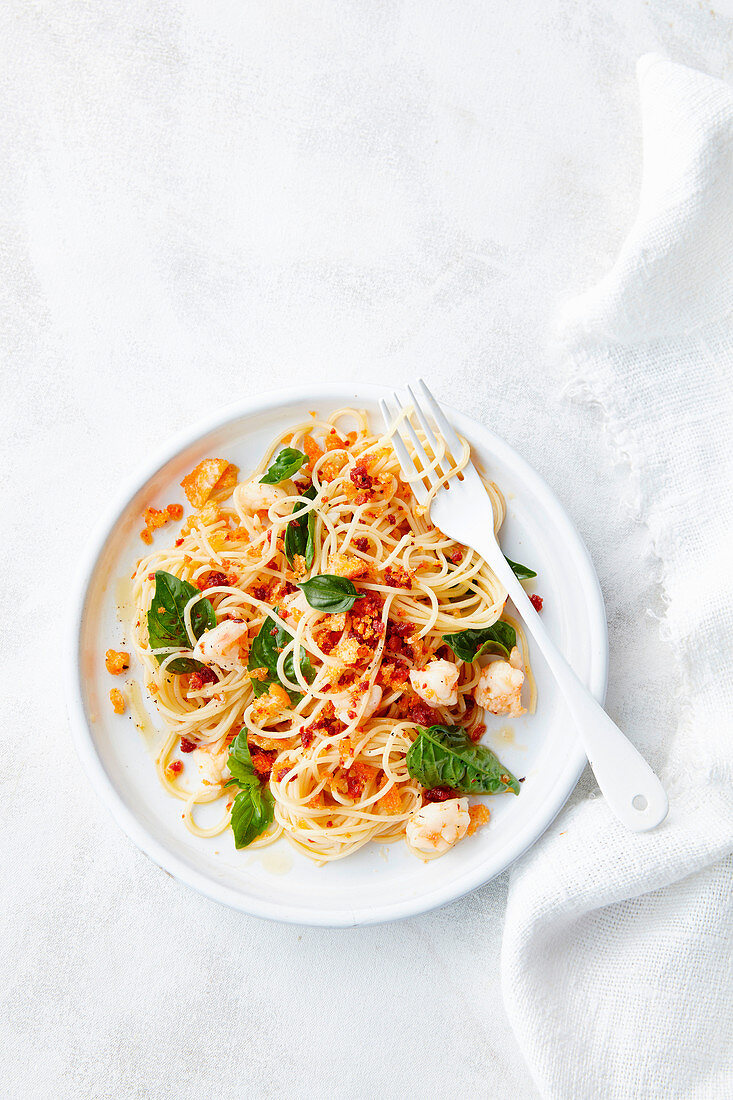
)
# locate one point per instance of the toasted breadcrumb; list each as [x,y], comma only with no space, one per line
[156,517]
[268,708]
[347,565]
[211,475]
[334,442]
[390,803]
[117,700]
[479,815]
[332,467]
[347,652]
[312,450]
[116,663]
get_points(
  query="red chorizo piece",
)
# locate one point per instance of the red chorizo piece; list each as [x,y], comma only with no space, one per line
[202,676]
[422,714]
[212,579]
[357,777]
[361,477]
[397,577]
[262,761]
[439,794]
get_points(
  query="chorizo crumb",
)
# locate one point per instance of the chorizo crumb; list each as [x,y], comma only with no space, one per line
[203,675]
[262,762]
[361,478]
[357,777]
[439,794]
[536,601]
[307,737]
[174,768]
[212,579]
[396,576]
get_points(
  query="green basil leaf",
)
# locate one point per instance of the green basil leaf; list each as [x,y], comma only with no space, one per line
[329,593]
[287,463]
[165,619]
[300,533]
[470,644]
[522,572]
[239,762]
[445,756]
[252,812]
[253,807]
[264,653]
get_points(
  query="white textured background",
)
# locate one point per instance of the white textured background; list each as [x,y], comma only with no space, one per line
[201,200]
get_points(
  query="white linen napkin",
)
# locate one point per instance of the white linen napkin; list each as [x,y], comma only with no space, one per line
[616,961]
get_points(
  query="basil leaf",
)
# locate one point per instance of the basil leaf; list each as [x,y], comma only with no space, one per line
[264,653]
[253,808]
[287,463]
[329,593]
[522,572]
[239,762]
[470,644]
[445,756]
[166,626]
[300,533]
[252,812]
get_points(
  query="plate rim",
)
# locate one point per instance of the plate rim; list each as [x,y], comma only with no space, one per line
[175,865]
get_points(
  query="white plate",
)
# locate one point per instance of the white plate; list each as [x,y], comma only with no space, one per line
[378,883]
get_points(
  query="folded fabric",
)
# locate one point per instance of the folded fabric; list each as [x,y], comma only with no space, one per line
[617,947]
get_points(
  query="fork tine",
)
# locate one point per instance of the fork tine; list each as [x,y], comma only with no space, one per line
[429,433]
[429,474]
[407,465]
[442,421]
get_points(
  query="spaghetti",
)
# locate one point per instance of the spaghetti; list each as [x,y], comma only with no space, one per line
[324,704]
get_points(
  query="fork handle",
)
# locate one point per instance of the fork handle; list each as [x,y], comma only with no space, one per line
[628,784]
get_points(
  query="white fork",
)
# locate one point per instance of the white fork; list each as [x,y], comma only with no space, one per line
[461,509]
